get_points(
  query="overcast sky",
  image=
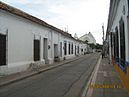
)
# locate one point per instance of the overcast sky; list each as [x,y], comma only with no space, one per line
[80,16]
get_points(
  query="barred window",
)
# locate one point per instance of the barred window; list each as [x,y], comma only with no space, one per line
[36,50]
[69,48]
[65,48]
[116,42]
[2,50]
[75,49]
[122,42]
[72,49]
[78,50]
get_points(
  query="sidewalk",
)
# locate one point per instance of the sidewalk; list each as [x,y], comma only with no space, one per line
[106,82]
[8,79]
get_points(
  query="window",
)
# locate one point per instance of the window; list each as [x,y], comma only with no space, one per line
[111,40]
[36,50]
[113,44]
[78,50]
[75,49]
[116,43]
[61,49]
[122,42]
[65,48]
[2,50]
[81,50]
[69,48]
[72,49]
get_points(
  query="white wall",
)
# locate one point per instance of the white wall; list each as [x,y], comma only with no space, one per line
[117,18]
[21,34]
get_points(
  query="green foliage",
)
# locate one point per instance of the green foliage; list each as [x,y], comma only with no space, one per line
[97,46]
[86,41]
[92,45]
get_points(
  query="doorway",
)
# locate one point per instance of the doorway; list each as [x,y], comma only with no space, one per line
[75,49]
[60,49]
[56,57]
[2,49]
[36,50]
[65,48]
[45,49]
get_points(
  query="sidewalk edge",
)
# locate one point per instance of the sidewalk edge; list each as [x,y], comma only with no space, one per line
[84,93]
[40,71]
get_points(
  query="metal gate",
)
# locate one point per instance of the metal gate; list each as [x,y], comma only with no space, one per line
[36,50]
[2,50]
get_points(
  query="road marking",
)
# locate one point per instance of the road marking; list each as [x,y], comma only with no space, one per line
[88,91]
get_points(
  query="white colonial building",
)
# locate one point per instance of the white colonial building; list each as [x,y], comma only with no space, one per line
[25,39]
[117,38]
[89,38]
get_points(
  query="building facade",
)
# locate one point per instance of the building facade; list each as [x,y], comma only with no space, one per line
[117,37]
[89,38]
[25,40]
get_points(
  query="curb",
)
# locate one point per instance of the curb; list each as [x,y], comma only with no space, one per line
[38,72]
[84,93]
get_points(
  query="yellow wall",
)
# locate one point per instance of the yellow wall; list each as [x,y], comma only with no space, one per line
[124,76]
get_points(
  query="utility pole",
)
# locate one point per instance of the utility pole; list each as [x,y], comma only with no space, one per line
[67,29]
[103,52]
[103,32]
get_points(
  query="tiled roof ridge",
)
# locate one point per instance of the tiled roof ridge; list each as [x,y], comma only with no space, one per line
[25,15]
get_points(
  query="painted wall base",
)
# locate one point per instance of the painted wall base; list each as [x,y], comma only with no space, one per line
[14,68]
[123,76]
[50,61]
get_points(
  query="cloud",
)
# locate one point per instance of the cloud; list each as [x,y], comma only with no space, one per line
[81,16]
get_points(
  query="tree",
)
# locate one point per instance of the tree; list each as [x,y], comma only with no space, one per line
[86,41]
[92,45]
[98,46]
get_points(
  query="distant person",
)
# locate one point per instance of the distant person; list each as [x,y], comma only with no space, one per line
[102,54]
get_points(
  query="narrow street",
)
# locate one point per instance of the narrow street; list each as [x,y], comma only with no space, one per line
[67,80]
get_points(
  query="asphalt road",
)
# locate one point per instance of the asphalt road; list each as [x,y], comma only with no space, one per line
[67,80]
